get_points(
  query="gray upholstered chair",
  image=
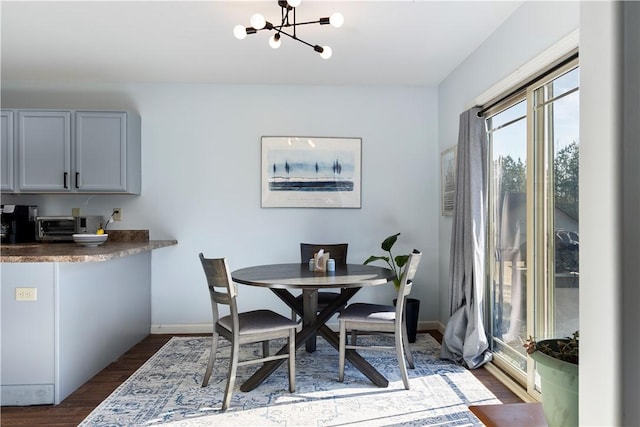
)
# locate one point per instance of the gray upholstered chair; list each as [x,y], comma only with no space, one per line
[338,252]
[376,318]
[242,328]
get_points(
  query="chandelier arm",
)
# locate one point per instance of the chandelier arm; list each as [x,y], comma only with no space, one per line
[294,37]
[294,23]
[319,21]
[285,17]
[280,27]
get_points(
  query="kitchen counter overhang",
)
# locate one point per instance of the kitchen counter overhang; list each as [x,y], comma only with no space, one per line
[92,305]
[72,252]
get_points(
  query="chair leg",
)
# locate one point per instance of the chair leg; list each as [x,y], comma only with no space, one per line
[342,350]
[231,376]
[292,360]
[400,356]
[354,336]
[407,349]
[265,348]
[212,359]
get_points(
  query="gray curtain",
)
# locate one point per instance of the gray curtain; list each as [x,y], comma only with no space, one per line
[465,341]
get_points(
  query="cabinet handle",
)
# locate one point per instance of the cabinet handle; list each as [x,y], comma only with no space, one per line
[66,175]
[77,179]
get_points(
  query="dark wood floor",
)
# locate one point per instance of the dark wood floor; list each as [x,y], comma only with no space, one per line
[81,402]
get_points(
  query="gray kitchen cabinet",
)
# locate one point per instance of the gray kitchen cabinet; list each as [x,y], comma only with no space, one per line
[7,159]
[107,152]
[63,151]
[44,151]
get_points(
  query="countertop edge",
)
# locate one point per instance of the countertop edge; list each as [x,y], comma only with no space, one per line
[79,254]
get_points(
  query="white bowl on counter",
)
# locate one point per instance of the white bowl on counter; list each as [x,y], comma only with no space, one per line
[87,239]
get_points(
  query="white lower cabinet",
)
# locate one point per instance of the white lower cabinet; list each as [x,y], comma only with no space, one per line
[87,314]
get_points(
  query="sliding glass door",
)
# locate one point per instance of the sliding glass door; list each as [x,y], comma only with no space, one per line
[508,231]
[533,219]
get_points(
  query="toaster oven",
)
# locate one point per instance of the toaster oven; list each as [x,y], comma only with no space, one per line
[62,228]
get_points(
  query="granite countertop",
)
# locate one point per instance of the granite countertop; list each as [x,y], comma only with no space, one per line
[120,243]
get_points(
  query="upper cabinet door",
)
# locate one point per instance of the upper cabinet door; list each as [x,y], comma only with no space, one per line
[7,159]
[44,151]
[101,151]
[66,151]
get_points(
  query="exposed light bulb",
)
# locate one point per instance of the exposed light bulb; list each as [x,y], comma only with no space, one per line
[274,41]
[240,32]
[257,21]
[294,3]
[336,20]
[326,52]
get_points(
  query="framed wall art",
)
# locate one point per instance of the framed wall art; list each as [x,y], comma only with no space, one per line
[448,179]
[311,172]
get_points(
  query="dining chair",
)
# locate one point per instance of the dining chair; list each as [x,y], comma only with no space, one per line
[338,252]
[242,328]
[385,319]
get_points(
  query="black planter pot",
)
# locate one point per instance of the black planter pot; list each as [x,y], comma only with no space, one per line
[412,310]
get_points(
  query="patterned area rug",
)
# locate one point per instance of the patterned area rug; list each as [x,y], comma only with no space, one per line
[166,391]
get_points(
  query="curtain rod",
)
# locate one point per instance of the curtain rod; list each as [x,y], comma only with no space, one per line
[561,63]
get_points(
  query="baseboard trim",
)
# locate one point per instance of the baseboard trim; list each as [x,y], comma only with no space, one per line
[439,326]
[27,394]
[512,385]
[430,325]
[206,328]
[182,328]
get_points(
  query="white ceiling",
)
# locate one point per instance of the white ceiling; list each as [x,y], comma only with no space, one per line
[382,42]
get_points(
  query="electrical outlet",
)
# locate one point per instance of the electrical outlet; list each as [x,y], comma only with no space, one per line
[117,214]
[75,212]
[26,294]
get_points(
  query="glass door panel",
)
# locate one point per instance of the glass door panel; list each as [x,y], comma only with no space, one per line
[507,234]
[556,113]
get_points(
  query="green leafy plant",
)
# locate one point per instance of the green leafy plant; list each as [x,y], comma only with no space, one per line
[565,349]
[395,263]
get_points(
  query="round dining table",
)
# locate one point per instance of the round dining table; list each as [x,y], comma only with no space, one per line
[282,278]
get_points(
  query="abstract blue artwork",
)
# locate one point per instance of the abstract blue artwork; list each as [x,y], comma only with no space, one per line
[315,172]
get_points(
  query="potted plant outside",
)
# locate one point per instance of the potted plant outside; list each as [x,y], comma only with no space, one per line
[396,264]
[557,364]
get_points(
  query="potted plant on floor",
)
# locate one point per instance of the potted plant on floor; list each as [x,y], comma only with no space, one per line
[396,264]
[557,364]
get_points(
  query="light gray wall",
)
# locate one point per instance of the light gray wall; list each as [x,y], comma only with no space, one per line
[599,279]
[609,208]
[631,212]
[520,39]
[609,181]
[201,180]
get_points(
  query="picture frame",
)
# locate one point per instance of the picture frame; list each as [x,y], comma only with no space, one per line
[311,172]
[448,161]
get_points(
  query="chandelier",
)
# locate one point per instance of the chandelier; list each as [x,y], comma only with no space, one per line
[287,23]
